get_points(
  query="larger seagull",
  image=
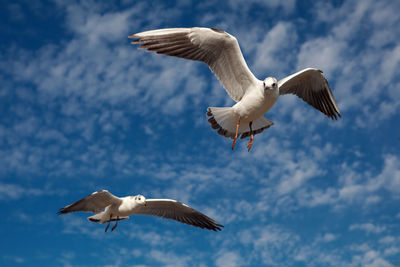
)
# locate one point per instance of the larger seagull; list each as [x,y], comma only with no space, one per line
[108,207]
[221,52]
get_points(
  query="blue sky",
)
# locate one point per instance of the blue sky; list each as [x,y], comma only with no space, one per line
[82,110]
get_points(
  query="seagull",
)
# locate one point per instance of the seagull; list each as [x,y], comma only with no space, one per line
[253,97]
[108,207]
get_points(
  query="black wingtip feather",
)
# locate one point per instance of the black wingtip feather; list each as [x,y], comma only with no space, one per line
[61,211]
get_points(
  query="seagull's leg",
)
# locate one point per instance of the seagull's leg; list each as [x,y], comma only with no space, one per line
[236,135]
[251,137]
[108,225]
[115,226]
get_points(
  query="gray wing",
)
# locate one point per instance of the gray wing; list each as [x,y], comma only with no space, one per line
[218,49]
[311,86]
[172,209]
[96,202]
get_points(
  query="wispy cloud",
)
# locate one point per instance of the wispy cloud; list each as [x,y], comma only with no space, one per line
[88,111]
[228,259]
[368,227]
[15,191]
[14,259]
[273,50]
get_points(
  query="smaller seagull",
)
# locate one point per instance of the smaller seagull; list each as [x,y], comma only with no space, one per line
[221,52]
[108,207]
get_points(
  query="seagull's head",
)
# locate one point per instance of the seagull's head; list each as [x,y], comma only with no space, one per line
[270,83]
[140,200]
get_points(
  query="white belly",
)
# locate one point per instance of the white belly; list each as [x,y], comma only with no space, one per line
[127,207]
[254,105]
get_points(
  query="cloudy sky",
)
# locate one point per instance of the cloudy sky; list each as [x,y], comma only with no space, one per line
[81,109]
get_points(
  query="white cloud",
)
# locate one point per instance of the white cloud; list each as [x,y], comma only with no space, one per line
[390,64]
[97,89]
[91,89]
[66,257]
[270,243]
[97,27]
[317,197]
[371,258]
[74,224]
[391,251]
[169,259]
[274,49]
[298,177]
[359,61]
[330,51]
[387,239]
[356,185]
[368,227]
[15,191]
[228,259]
[327,237]
[14,259]
[148,236]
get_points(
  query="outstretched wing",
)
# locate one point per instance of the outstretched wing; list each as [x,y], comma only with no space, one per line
[172,209]
[311,86]
[95,202]
[218,49]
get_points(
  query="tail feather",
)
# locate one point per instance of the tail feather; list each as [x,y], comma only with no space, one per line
[224,120]
[258,126]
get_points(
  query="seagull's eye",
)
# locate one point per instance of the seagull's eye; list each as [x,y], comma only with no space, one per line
[139,198]
[274,84]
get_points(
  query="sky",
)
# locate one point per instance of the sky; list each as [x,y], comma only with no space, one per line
[81,109]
